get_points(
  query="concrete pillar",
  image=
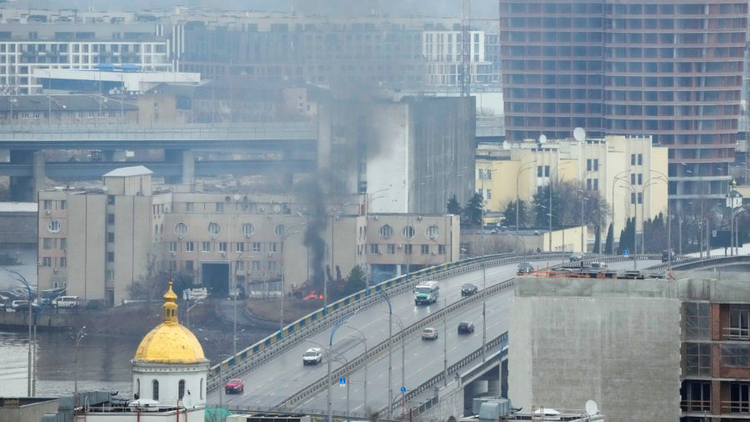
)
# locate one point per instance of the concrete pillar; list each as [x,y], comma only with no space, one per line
[324,137]
[188,167]
[504,378]
[39,173]
[108,155]
[493,387]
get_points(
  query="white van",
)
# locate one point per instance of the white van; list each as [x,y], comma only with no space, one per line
[66,302]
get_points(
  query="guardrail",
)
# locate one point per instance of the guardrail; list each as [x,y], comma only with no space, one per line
[266,349]
[689,263]
[380,349]
[468,359]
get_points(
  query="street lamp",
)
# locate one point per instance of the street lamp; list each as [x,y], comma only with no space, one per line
[339,323]
[525,166]
[615,179]
[236,293]
[390,347]
[408,231]
[335,213]
[21,279]
[362,340]
[549,188]
[77,339]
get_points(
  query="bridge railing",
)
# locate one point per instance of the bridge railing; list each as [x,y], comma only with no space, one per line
[689,263]
[293,334]
[382,347]
[193,131]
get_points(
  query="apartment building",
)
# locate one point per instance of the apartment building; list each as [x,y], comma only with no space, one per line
[668,69]
[629,172]
[98,242]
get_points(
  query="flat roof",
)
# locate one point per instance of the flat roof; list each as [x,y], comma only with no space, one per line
[30,207]
[129,171]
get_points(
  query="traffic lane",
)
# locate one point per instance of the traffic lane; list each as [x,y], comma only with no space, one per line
[424,358]
[285,370]
[628,265]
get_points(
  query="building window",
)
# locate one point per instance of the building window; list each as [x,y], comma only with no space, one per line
[189,246]
[632,159]
[271,265]
[181,389]
[47,243]
[697,321]
[248,229]
[138,388]
[596,164]
[205,246]
[53,226]
[222,246]
[64,243]
[632,197]
[697,359]
[110,218]
[63,262]
[425,249]
[110,199]
[256,266]
[272,247]
[640,178]
[257,247]
[63,205]
[588,164]
[214,229]
[386,231]
[46,261]
[110,275]
[155,390]
[441,249]
[640,197]
[390,248]
[240,247]
[201,388]
[219,207]
[172,246]
[696,396]
[189,266]
[172,265]
[110,257]
[736,356]
[239,266]
[189,207]
[279,230]
[432,232]
[408,232]
[110,237]
[632,179]
[47,204]
[181,229]
[738,323]
[407,249]
[374,248]
[596,184]
[640,159]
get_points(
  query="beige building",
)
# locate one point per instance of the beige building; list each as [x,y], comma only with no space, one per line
[629,172]
[97,242]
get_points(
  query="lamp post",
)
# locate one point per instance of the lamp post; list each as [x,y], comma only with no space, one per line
[77,339]
[284,236]
[363,340]
[335,214]
[339,323]
[665,178]
[408,230]
[614,182]
[390,347]
[237,293]
[21,279]
[403,351]
[526,166]
[555,170]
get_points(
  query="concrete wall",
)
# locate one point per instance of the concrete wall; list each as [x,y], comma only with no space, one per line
[18,228]
[26,409]
[615,341]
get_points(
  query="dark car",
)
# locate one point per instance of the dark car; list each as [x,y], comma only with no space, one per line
[469,289]
[665,255]
[578,256]
[465,328]
[525,268]
[235,385]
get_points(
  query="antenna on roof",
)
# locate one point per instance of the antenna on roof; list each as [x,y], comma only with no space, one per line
[579,134]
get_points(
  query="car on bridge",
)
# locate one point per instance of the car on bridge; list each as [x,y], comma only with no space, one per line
[465,327]
[312,356]
[469,289]
[234,385]
[525,268]
[578,256]
[429,333]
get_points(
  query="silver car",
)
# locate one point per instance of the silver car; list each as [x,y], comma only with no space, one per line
[429,333]
[312,356]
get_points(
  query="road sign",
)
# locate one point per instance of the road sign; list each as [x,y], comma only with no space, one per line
[626,252]
[403,389]
[342,382]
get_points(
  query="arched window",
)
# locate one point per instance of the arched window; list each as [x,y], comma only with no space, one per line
[155,388]
[248,229]
[181,229]
[138,387]
[279,230]
[181,389]
[432,232]
[201,388]
[408,232]
[214,229]
[386,231]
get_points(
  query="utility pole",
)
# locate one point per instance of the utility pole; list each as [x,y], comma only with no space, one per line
[465,72]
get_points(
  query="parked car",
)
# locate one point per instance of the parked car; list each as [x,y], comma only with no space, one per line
[312,356]
[578,256]
[469,289]
[66,302]
[465,327]
[598,265]
[21,305]
[429,333]
[525,268]
[234,385]
[665,255]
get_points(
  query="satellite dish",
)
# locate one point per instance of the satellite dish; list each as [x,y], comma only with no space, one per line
[579,134]
[542,139]
[506,145]
[592,408]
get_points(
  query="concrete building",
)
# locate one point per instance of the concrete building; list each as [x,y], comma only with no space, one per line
[616,342]
[98,242]
[18,224]
[35,110]
[667,69]
[628,172]
[410,155]
[26,409]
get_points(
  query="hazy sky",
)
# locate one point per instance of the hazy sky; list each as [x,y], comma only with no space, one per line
[480,8]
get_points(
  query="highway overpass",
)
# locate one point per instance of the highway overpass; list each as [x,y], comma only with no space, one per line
[282,375]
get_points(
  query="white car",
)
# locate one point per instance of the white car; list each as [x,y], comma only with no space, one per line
[429,333]
[312,356]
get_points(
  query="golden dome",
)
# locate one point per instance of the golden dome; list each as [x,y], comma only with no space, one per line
[170,342]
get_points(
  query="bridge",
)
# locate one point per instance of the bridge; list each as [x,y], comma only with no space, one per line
[434,374]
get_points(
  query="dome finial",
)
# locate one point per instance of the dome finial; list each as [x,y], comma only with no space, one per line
[170,307]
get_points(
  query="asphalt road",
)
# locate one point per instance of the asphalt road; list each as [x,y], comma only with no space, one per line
[270,384]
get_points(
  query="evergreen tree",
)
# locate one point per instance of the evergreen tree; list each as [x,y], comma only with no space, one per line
[510,214]
[453,206]
[610,239]
[473,210]
[597,238]
[356,281]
